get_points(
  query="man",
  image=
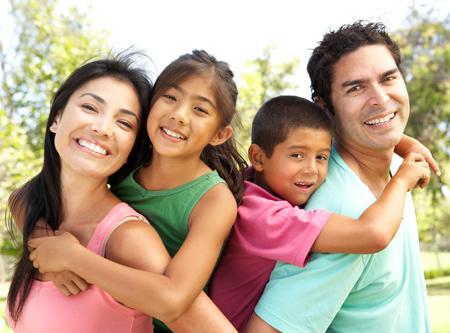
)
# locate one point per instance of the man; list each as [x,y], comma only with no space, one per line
[355,74]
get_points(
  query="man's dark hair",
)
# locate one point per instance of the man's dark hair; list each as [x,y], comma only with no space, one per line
[336,44]
[279,115]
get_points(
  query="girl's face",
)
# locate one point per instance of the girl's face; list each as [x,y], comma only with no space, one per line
[185,119]
[95,132]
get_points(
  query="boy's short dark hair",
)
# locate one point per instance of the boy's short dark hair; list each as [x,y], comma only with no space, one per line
[336,44]
[279,115]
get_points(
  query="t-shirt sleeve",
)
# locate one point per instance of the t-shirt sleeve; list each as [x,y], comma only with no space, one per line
[279,231]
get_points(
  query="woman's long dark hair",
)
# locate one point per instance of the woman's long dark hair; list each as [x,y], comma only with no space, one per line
[40,198]
[224,158]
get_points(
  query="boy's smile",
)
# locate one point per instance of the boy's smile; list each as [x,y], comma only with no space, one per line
[297,166]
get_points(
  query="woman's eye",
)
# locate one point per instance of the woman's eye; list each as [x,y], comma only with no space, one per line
[89,108]
[125,124]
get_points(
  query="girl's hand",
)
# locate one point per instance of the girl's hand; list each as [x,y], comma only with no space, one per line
[67,282]
[49,253]
[410,145]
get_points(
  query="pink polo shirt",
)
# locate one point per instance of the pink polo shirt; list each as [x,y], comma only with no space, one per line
[267,230]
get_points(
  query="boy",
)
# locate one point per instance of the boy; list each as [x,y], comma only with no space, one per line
[291,144]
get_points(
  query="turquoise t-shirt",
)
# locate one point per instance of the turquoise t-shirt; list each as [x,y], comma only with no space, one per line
[381,292]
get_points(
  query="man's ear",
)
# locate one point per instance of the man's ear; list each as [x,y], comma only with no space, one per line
[221,136]
[54,126]
[257,157]
[320,102]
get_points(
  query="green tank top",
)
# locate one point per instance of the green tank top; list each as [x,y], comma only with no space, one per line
[167,210]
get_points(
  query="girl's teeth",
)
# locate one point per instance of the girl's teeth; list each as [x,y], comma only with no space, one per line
[380,120]
[173,134]
[92,147]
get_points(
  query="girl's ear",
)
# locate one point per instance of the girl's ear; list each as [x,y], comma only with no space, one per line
[256,156]
[54,126]
[221,136]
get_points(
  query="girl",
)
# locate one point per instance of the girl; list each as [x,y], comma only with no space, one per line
[189,191]
[94,119]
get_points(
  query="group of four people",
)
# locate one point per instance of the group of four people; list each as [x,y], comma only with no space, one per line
[142,186]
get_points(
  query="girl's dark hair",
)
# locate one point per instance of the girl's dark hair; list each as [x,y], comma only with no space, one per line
[335,45]
[224,158]
[40,198]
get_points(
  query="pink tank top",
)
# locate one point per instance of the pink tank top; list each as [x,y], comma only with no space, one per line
[47,310]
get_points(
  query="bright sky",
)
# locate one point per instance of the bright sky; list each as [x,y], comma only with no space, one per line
[236,30]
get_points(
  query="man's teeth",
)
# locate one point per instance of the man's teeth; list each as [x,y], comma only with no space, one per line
[380,120]
[92,147]
[173,134]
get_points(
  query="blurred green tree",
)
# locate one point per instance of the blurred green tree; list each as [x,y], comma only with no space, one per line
[262,79]
[425,47]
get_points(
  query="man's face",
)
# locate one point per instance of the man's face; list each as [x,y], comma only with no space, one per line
[370,99]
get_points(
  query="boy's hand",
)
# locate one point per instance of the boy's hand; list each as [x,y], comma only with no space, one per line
[49,253]
[414,171]
[68,283]
[410,145]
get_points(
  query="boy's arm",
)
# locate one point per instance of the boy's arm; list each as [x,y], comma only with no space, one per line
[376,227]
[410,145]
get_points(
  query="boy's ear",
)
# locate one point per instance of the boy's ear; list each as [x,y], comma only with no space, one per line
[54,126]
[256,156]
[221,136]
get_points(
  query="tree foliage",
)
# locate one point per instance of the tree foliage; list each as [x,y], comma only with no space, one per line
[262,79]
[425,47]
[48,42]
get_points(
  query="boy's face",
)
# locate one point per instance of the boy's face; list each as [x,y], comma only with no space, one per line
[297,166]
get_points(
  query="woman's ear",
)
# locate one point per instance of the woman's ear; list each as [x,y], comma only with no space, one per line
[221,136]
[257,157]
[54,126]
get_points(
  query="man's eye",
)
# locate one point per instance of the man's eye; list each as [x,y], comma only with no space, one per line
[354,89]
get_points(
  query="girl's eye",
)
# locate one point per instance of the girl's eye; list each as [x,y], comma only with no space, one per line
[89,108]
[169,97]
[202,110]
[322,158]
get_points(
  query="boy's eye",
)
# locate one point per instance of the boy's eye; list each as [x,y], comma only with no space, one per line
[322,158]
[297,155]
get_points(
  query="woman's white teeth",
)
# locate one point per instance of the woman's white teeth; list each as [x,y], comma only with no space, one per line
[377,121]
[92,147]
[173,134]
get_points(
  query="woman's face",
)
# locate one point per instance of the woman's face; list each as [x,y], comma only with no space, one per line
[95,132]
